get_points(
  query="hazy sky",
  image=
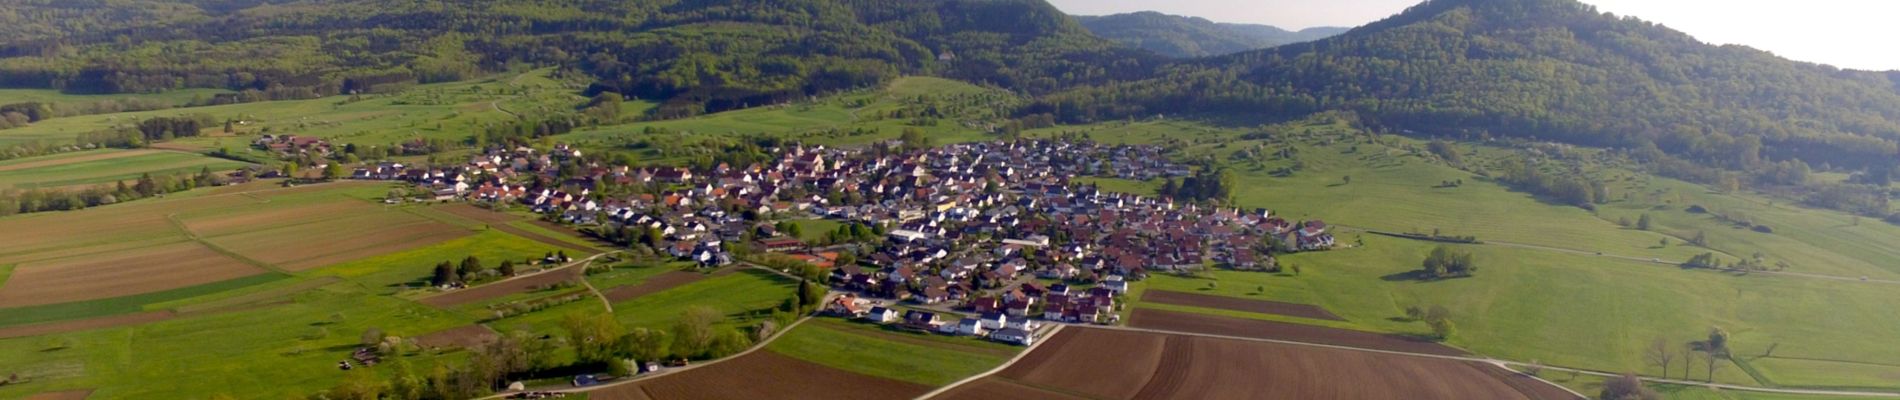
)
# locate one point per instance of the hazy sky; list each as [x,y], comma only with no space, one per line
[1855,34]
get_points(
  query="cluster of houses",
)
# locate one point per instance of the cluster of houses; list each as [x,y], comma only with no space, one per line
[982,227]
[293,145]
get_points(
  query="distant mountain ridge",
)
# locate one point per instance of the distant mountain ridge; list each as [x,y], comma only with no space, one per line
[1188,37]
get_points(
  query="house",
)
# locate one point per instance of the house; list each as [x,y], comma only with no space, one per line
[845,306]
[1012,335]
[922,320]
[1118,286]
[784,244]
[971,327]
[995,320]
[881,314]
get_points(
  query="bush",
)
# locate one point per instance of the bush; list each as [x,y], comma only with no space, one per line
[1763,229]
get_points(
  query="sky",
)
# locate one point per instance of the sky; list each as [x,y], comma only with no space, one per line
[1845,33]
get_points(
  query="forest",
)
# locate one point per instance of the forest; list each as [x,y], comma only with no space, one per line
[1539,70]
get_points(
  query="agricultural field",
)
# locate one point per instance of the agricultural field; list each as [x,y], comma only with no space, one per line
[103,167]
[1550,260]
[760,375]
[1107,364]
[871,350]
[445,110]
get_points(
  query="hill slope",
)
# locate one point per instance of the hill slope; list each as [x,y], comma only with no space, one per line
[696,55]
[1549,69]
[1187,37]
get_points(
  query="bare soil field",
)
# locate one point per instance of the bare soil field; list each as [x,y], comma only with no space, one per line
[80,394]
[1239,304]
[136,221]
[302,247]
[996,388]
[478,214]
[53,161]
[1092,362]
[84,324]
[502,288]
[1238,327]
[764,375]
[656,284]
[226,223]
[463,337]
[1191,367]
[129,272]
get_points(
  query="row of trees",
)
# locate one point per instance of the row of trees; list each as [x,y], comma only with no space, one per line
[147,185]
[469,270]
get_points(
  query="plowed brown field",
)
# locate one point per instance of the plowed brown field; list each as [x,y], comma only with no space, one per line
[764,375]
[127,272]
[1213,325]
[1078,362]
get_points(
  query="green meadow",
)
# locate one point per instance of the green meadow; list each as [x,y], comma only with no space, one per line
[829,342]
[69,169]
[1558,284]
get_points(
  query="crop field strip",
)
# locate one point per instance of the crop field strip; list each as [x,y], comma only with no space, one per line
[502,288]
[1216,325]
[1126,365]
[119,274]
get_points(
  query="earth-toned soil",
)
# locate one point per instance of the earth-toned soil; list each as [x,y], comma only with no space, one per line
[1225,326]
[128,272]
[764,375]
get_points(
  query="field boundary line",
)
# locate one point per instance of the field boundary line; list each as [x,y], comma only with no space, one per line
[1006,364]
[1496,361]
[193,236]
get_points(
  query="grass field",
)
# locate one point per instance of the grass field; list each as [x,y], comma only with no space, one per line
[1562,308]
[740,295]
[96,167]
[390,273]
[821,341]
[444,110]
[815,230]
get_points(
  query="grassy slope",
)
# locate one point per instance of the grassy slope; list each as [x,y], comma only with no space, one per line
[443,110]
[388,273]
[1527,304]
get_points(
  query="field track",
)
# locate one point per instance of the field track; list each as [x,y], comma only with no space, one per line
[1239,304]
[502,288]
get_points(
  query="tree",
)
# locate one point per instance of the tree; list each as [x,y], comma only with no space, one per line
[444,275]
[1626,387]
[1346,180]
[693,335]
[729,341]
[1701,239]
[1661,354]
[469,268]
[333,171]
[645,344]
[595,337]
[1718,341]
[290,169]
[373,336]
[1442,328]
[1644,222]
[507,268]
[1448,261]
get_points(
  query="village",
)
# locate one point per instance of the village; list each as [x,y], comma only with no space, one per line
[1001,231]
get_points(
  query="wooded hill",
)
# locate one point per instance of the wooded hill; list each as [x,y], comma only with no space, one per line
[1548,69]
[696,56]
[1537,69]
[1186,37]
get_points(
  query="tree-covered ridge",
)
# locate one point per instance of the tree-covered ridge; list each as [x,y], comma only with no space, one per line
[1188,37]
[1550,69]
[695,56]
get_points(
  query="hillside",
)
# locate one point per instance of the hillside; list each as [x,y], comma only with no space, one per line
[694,56]
[1543,69]
[1188,37]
